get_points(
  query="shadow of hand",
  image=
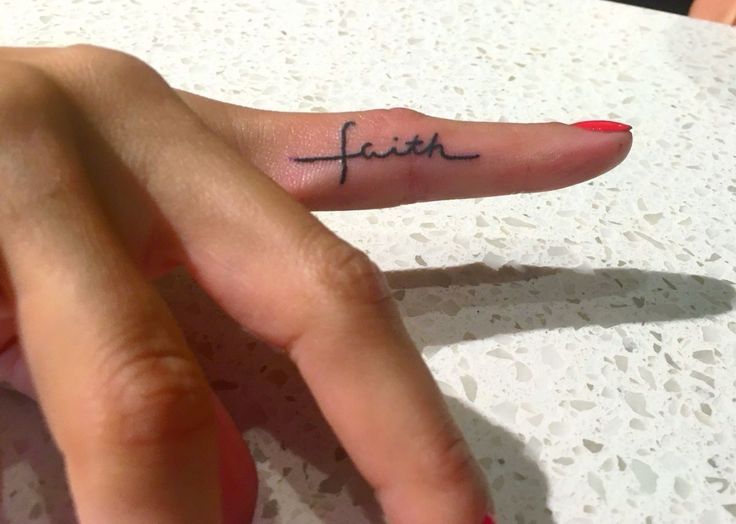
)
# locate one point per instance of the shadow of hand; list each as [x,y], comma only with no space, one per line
[287,434]
[484,302]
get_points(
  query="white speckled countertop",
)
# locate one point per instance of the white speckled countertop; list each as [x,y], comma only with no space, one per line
[585,338]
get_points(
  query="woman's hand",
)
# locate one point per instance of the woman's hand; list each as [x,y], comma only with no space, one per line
[723,11]
[110,177]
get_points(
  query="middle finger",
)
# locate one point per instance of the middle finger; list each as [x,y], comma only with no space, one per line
[278,271]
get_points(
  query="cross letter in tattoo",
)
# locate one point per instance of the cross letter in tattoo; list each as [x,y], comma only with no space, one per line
[413,146]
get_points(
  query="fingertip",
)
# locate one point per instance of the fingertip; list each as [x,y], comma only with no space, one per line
[578,153]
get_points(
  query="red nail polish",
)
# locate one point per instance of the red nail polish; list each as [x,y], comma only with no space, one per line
[605,126]
[488,520]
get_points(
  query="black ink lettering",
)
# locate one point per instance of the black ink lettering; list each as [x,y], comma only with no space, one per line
[413,144]
[343,151]
[364,150]
[413,147]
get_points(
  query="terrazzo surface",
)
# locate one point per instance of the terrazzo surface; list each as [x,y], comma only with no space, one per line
[585,339]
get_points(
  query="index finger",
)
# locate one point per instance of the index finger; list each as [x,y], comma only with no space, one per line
[388,157]
[294,284]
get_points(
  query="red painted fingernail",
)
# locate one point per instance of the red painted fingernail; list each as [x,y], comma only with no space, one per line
[605,126]
[488,520]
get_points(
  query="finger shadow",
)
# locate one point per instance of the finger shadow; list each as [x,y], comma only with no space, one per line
[483,302]
[32,486]
[518,486]
[291,441]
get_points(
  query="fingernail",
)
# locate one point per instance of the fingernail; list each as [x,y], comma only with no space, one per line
[605,126]
[488,520]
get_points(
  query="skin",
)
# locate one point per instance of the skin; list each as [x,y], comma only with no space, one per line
[723,11]
[111,177]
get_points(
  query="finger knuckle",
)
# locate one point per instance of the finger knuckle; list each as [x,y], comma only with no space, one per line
[88,66]
[395,117]
[104,58]
[344,272]
[154,395]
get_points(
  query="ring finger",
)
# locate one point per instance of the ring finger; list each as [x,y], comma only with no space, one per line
[125,399]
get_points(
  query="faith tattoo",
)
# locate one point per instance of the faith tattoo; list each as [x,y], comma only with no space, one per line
[415,146]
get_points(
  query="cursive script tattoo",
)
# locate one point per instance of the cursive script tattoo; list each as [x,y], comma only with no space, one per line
[415,146]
